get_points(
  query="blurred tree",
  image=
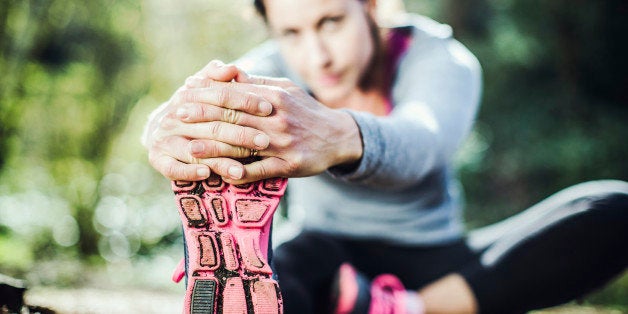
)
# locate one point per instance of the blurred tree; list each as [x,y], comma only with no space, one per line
[71,74]
[554,109]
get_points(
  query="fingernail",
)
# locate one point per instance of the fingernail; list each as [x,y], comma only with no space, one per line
[202,172]
[261,140]
[182,113]
[197,147]
[235,172]
[265,107]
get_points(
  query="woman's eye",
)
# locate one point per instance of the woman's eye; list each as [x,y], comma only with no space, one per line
[289,34]
[332,23]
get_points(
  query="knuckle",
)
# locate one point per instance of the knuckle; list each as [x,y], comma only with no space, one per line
[231,116]
[250,102]
[284,96]
[167,123]
[282,142]
[160,143]
[219,166]
[201,111]
[282,122]
[213,164]
[262,170]
[207,82]
[241,152]
[294,89]
[276,95]
[223,96]
[215,128]
[292,168]
[240,136]
[172,171]
[236,117]
[294,163]
[259,80]
[212,149]
[185,95]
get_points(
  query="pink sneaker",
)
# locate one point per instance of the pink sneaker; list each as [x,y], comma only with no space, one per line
[226,230]
[350,292]
[384,295]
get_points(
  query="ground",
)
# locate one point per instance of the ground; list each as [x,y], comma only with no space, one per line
[97,301]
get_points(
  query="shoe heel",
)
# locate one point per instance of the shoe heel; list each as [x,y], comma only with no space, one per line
[203,297]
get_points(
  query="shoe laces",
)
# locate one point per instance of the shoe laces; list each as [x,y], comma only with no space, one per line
[387,295]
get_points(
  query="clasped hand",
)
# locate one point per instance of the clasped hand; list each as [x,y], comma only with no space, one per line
[222,116]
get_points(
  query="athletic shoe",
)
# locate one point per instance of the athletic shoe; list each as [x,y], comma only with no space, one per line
[352,294]
[350,291]
[226,231]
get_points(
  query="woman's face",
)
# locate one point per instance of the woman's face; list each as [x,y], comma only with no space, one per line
[327,42]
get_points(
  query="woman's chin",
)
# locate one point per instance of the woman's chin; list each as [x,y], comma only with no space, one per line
[332,97]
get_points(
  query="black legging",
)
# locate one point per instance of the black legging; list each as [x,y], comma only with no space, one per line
[558,250]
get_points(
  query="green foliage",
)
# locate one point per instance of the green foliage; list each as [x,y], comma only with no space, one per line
[553,111]
[554,108]
[73,79]
[82,77]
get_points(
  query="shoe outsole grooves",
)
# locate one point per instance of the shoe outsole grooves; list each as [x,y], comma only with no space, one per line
[226,229]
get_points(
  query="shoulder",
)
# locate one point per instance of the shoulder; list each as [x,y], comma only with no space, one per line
[434,58]
[431,39]
[434,48]
[422,27]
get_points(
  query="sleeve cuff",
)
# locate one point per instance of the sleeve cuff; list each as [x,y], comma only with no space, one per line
[372,145]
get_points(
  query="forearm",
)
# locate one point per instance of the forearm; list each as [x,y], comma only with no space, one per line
[436,102]
[416,139]
[397,152]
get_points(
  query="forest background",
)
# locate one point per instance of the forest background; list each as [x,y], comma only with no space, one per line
[80,205]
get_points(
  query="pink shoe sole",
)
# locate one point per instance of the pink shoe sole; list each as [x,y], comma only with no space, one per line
[227,229]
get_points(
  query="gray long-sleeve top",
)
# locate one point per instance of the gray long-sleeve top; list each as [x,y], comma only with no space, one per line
[403,190]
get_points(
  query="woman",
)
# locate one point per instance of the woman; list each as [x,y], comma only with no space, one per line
[366,124]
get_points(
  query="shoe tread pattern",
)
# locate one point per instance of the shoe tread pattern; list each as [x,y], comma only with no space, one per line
[224,226]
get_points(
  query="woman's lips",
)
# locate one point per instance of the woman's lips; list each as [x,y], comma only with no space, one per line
[328,80]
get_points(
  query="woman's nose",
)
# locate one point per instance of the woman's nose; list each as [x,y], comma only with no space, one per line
[318,52]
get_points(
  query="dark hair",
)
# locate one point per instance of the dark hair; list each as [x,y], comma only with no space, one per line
[261,9]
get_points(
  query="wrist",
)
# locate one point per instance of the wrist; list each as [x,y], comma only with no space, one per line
[349,144]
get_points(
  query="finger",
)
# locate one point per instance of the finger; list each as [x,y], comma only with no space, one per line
[199,112]
[176,170]
[269,81]
[182,166]
[228,133]
[211,149]
[227,95]
[196,81]
[270,167]
[274,90]
[226,73]
[227,168]
[217,70]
